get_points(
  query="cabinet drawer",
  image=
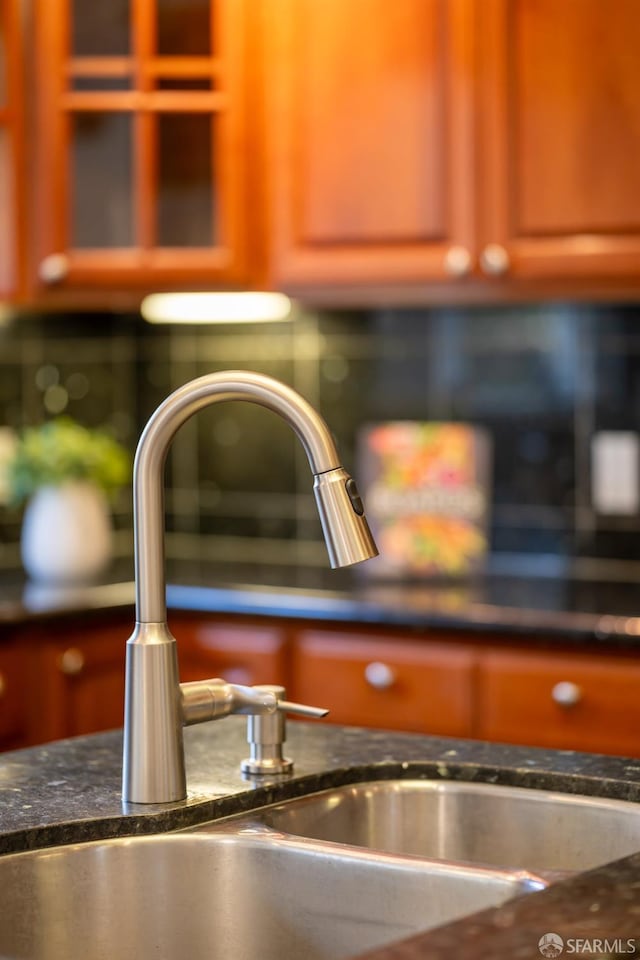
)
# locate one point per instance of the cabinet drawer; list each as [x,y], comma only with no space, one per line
[385,682]
[239,652]
[568,701]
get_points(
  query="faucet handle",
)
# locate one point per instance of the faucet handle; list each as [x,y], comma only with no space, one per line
[204,700]
[302,709]
[266,734]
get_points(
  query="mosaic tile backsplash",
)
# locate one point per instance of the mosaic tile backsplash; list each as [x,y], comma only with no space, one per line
[543,380]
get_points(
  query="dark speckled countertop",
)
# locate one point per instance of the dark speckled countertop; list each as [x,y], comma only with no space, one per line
[572,610]
[69,791]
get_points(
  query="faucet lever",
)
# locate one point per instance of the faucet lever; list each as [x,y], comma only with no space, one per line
[302,709]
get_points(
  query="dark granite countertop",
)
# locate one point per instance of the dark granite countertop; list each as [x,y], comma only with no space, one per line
[69,791]
[568,609]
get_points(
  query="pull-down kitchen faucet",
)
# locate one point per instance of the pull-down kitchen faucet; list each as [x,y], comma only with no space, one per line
[157,705]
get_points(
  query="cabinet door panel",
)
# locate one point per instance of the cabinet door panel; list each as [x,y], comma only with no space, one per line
[13,699]
[560,128]
[521,701]
[385,682]
[141,143]
[78,677]
[12,161]
[370,161]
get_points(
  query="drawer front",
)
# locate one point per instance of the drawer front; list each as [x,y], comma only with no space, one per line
[238,652]
[384,682]
[566,701]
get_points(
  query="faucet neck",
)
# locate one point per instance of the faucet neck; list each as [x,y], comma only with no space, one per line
[148,475]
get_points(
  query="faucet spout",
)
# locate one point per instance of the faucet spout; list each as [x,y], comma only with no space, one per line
[153,764]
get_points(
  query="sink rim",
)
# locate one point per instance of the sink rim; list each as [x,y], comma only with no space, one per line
[267,818]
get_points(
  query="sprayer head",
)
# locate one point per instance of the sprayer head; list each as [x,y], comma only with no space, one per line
[345,527]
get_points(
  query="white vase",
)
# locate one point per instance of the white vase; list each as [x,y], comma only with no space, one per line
[66,534]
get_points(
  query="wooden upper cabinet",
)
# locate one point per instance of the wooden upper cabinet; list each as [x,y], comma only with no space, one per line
[140,175]
[559,122]
[11,149]
[459,140]
[370,151]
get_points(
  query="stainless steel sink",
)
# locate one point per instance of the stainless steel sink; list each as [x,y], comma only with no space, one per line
[533,830]
[231,891]
[322,877]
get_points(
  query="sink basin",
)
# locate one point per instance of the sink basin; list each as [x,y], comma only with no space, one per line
[533,830]
[220,892]
[324,877]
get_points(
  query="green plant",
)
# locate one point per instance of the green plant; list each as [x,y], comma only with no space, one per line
[61,450]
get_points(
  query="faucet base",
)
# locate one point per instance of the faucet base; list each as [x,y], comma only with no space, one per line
[153,765]
[263,767]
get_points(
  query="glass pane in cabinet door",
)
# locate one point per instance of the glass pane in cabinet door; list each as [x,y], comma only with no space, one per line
[101,179]
[186,193]
[100,28]
[184,28]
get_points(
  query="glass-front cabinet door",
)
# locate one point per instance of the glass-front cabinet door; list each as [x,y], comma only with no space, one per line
[141,125]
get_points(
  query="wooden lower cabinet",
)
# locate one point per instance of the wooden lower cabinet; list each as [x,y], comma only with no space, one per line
[244,653]
[77,679]
[13,708]
[385,681]
[66,676]
[74,677]
[562,700]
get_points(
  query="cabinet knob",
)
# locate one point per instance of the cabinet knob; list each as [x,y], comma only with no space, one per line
[494,260]
[457,261]
[566,693]
[379,675]
[3,684]
[71,662]
[54,268]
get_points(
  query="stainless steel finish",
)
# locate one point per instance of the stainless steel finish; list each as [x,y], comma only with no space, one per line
[533,830]
[566,693]
[302,709]
[153,757]
[323,877]
[211,699]
[457,261]
[346,533]
[266,736]
[379,675]
[153,760]
[54,268]
[216,893]
[266,733]
[495,260]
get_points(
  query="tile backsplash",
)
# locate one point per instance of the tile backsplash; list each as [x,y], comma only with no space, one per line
[542,379]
